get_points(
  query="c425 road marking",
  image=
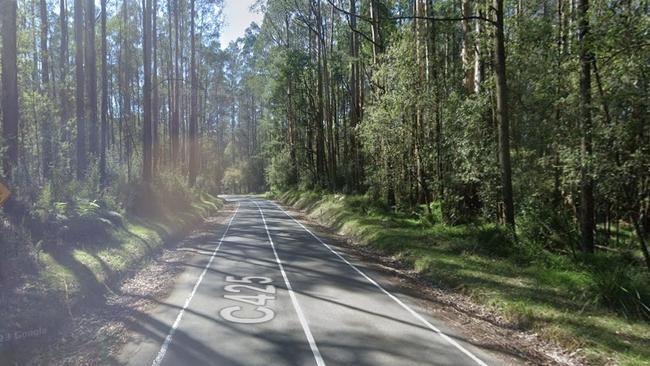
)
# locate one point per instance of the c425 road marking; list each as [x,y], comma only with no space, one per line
[259,292]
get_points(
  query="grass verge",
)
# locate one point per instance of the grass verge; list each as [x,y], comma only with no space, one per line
[91,254]
[556,297]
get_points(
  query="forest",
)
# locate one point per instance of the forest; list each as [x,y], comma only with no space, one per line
[514,132]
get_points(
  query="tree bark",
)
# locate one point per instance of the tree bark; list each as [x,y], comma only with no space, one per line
[175,128]
[79,92]
[320,133]
[467,51]
[291,123]
[478,62]
[170,82]
[155,102]
[377,41]
[10,111]
[63,56]
[103,174]
[45,68]
[642,242]
[64,92]
[420,56]
[91,80]
[146,129]
[193,127]
[501,87]
[125,139]
[45,80]
[354,97]
[330,111]
[586,181]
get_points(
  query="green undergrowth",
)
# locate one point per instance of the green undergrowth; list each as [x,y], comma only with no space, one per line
[88,248]
[126,241]
[594,304]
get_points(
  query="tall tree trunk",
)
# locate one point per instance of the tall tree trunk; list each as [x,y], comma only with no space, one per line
[560,42]
[175,128]
[91,79]
[126,93]
[320,133]
[435,87]
[64,59]
[45,68]
[155,102]
[328,85]
[79,92]
[170,82]
[478,62]
[641,238]
[467,51]
[146,129]
[184,97]
[377,42]
[103,174]
[586,180]
[501,87]
[45,79]
[64,93]
[420,123]
[193,135]
[291,123]
[354,98]
[10,112]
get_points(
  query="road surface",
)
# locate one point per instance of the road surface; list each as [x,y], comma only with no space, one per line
[266,290]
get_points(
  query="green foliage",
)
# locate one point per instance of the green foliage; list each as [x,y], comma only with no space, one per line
[620,286]
[233,180]
[470,148]
[599,302]
[460,206]
[98,248]
[386,129]
[548,227]
[278,172]
[273,98]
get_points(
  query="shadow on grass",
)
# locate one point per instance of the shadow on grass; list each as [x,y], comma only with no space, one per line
[467,258]
[91,272]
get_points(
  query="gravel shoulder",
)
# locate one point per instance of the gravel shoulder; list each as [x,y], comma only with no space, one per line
[97,331]
[481,324]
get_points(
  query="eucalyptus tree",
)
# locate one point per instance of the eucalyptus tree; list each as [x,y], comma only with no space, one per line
[10,111]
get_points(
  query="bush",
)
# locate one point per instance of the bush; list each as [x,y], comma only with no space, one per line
[233,180]
[461,204]
[499,241]
[279,171]
[547,227]
[620,285]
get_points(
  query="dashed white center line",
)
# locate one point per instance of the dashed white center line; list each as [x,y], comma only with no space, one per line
[393,297]
[188,299]
[296,305]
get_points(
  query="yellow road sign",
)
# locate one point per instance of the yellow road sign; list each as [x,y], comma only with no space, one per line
[4,193]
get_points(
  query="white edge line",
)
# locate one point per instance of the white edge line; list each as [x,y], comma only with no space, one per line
[296,305]
[188,299]
[397,300]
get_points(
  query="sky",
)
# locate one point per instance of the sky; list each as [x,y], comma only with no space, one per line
[238,17]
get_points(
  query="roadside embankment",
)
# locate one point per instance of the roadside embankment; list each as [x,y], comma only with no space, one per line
[563,300]
[86,252]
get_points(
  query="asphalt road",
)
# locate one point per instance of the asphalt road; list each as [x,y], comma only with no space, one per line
[265,290]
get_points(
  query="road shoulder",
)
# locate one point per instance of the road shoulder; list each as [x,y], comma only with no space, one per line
[98,332]
[478,324]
